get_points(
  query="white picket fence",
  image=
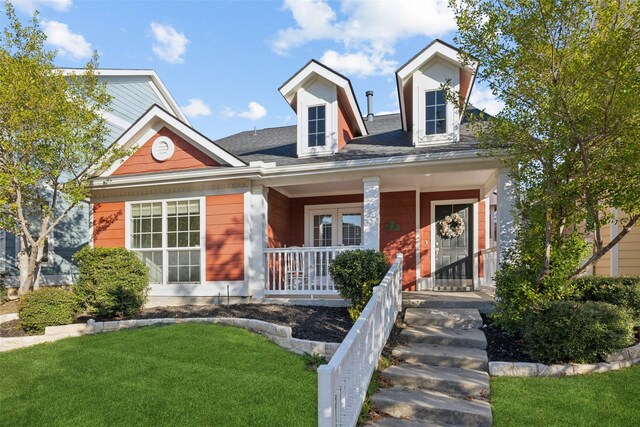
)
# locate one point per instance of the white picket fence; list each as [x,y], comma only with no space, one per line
[490,265]
[343,382]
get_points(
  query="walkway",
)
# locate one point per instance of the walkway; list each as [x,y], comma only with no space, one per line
[442,377]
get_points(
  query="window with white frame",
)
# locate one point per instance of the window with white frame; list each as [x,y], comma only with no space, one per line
[334,225]
[436,112]
[317,126]
[166,235]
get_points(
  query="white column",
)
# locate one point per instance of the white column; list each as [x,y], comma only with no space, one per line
[506,225]
[256,239]
[371,218]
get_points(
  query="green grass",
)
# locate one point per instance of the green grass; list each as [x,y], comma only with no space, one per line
[179,375]
[608,399]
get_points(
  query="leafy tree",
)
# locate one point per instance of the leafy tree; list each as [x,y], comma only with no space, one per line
[50,131]
[568,73]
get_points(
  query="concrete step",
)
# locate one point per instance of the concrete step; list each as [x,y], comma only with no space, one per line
[457,381]
[465,318]
[444,288]
[437,355]
[433,407]
[482,306]
[402,422]
[473,338]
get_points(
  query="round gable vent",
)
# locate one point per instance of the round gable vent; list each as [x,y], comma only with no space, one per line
[162,149]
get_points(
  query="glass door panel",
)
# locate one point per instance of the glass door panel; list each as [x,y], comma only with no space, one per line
[322,229]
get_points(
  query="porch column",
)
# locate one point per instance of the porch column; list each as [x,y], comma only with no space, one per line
[371,220]
[506,203]
[256,239]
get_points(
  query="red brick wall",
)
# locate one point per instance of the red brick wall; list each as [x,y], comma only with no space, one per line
[279,207]
[400,208]
[108,225]
[185,156]
[225,237]
[425,221]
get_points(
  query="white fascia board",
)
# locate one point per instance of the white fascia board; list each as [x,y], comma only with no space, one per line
[157,84]
[156,114]
[403,111]
[261,172]
[296,82]
[437,48]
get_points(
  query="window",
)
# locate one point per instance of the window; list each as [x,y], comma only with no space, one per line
[166,236]
[334,226]
[317,126]
[436,113]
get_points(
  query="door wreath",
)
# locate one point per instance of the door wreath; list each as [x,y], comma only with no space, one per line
[451,226]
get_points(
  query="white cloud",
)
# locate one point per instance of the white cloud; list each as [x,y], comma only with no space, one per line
[67,43]
[359,64]
[29,6]
[483,99]
[254,112]
[367,29]
[196,108]
[170,45]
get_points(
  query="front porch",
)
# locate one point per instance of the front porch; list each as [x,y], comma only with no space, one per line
[309,223]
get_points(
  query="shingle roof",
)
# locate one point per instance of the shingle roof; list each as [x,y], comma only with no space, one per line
[386,138]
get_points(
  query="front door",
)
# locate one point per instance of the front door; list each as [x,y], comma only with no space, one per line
[453,246]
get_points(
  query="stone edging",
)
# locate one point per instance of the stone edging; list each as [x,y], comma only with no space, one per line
[623,359]
[280,335]
[8,317]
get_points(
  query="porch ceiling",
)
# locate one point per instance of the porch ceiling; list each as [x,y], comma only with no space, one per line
[339,184]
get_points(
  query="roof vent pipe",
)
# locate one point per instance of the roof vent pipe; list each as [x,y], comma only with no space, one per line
[369,105]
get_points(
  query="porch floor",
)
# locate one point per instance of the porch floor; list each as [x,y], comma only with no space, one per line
[482,300]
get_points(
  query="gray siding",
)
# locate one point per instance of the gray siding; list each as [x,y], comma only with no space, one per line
[132,96]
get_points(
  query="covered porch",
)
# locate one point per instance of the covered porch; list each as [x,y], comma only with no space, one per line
[310,220]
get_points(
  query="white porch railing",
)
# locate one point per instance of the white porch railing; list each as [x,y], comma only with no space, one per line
[490,259]
[343,382]
[301,270]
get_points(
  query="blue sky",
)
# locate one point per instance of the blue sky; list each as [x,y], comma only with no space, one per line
[224,60]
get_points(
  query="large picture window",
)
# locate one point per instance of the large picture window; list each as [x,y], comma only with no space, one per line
[317,126]
[436,113]
[166,235]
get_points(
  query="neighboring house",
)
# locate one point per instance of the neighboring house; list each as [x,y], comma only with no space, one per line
[263,212]
[132,92]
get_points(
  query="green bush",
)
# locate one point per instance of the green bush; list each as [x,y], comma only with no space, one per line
[4,293]
[113,282]
[620,291]
[580,332]
[47,307]
[355,273]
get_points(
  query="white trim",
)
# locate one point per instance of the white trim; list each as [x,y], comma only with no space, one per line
[418,243]
[432,244]
[615,229]
[159,87]
[205,289]
[155,119]
[475,261]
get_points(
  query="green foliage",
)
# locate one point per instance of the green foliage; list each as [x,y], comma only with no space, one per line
[313,361]
[620,291]
[570,331]
[47,307]
[4,294]
[112,281]
[516,282]
[355,273]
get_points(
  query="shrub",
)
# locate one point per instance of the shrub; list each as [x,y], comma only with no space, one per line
[4,293]
[571,331]
[355,273]
[620,291]
[112,282]
[47,307]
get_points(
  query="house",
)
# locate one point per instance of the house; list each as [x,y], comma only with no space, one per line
[262,213]
[132,92]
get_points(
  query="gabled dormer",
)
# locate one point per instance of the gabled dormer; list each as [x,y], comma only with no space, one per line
[425,110]
[328,115]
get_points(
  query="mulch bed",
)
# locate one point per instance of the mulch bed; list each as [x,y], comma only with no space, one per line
[329,324]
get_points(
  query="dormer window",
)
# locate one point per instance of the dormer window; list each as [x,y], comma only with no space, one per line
[436,112]
[317,126]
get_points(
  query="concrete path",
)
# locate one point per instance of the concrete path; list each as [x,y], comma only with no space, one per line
[442,379]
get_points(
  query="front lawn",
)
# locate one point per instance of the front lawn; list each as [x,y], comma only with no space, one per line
[186,374]
[608,399]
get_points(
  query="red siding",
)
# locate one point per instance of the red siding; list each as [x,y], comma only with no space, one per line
[344,131]
[279,219]
[108,225]
[482,236]
[297,212]
[400,208]
[225,237]
[425,221]
[185,156]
